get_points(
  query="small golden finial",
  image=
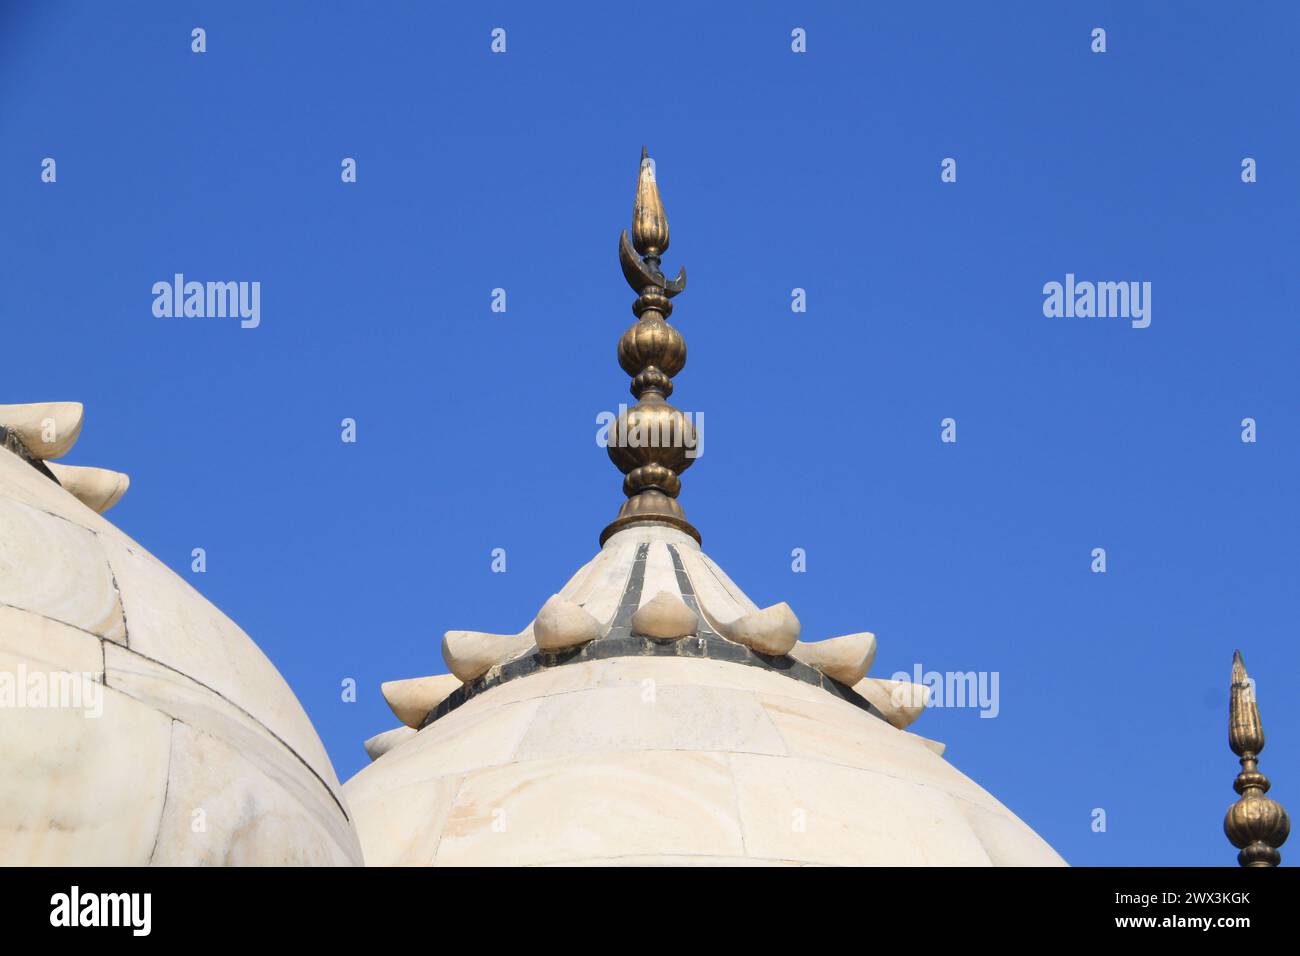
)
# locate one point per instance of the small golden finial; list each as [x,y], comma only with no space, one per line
[651,443]
[1255,824]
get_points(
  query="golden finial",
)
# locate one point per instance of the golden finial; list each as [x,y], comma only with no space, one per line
[1255,824]
[651,443]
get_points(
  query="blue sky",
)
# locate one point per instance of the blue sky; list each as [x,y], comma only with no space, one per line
[779,170]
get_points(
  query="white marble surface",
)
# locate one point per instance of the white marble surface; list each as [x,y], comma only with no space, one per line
[221,810]
[170,622]
[675,761]
[56,569]
[192,716]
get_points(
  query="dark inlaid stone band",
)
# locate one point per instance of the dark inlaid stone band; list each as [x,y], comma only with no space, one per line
[622,641]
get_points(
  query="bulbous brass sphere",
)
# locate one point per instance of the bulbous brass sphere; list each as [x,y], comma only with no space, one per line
[652,342]
[1257,825]
[652,433]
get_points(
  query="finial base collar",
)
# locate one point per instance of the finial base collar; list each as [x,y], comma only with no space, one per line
[650,507]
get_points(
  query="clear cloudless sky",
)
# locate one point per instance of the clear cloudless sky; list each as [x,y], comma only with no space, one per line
[476,430]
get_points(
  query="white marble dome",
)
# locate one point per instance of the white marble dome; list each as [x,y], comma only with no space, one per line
[180,743]
[721,741]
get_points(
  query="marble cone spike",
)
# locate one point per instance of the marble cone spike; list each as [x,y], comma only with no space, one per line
[901,702]
[47,429]
[97,488]
[471,654]
[380,744]
[561,624]
[411,700]
[665,617]
[847,658]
